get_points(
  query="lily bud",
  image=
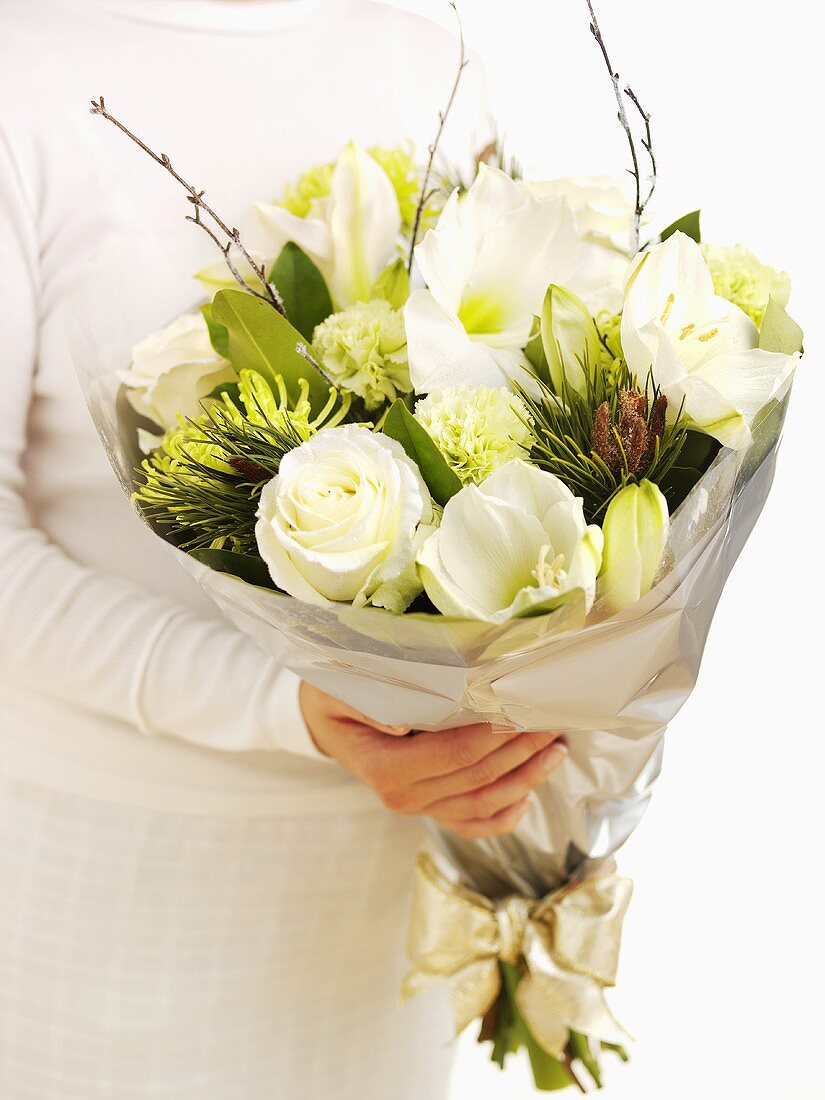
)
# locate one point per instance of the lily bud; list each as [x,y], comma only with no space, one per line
[635,534]
[570,338]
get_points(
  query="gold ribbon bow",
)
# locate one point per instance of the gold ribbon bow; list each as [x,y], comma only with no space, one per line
[569,942]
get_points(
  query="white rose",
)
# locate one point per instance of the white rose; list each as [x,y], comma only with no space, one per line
[339,521]
[174,370]
[508,545]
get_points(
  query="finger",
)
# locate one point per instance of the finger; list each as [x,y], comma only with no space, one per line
[489,800]
[499,824]
[501,761]
[392,731]
[349,716]
[428,755]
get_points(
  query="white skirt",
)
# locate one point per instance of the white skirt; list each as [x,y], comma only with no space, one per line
[174,957]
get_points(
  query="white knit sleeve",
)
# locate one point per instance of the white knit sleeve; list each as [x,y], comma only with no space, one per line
[92,639]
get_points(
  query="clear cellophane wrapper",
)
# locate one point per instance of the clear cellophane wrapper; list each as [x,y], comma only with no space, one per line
[610,682]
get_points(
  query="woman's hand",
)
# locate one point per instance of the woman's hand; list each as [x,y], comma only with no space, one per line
[475,780]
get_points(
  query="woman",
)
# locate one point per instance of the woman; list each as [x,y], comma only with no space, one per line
[202,889]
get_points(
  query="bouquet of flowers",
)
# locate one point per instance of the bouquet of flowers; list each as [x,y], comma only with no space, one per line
[465,450]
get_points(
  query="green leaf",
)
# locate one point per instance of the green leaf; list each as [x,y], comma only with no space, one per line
[689,225]
[401,425]
[696,455]
[217,333]
[779,332]
[302,288]
[698,450]
[393,285]
[246,567]
[260,339]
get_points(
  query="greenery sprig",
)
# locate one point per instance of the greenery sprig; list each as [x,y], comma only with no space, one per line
[605,438]
[203,484]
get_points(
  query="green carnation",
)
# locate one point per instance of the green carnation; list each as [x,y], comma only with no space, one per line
[363,350]
[741,278]
[477,430]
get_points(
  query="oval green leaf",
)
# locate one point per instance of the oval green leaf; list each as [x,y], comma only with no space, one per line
[260,339]
[302,288]
[401,425]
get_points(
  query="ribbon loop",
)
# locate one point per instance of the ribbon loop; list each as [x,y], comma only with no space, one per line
[568,944]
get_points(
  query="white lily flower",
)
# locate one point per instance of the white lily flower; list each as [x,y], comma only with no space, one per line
[351,235]
[703,350]
[487,266]
[509,545]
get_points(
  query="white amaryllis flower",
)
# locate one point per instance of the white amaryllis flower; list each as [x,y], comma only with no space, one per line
[338,523]
[508,545]
[487,266]
[703,350]
[173,371]
[603,207]
[351,234]
[604,212]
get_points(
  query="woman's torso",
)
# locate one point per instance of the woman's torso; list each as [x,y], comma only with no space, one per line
[243,97]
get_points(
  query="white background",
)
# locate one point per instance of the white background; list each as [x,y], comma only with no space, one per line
[722,970]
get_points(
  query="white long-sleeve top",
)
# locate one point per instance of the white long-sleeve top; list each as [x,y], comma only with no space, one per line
[103,638]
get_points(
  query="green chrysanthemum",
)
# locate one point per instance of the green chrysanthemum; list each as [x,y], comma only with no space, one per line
[314,184]
[476,429]
[363,350]
[404,175]
[741,278]
[204,480]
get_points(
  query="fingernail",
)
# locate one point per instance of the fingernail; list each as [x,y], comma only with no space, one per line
[395,731]
[553,756]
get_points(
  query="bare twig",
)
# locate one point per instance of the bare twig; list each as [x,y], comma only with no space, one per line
[305,353]
[269,293]
[442,120]
[647,141]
